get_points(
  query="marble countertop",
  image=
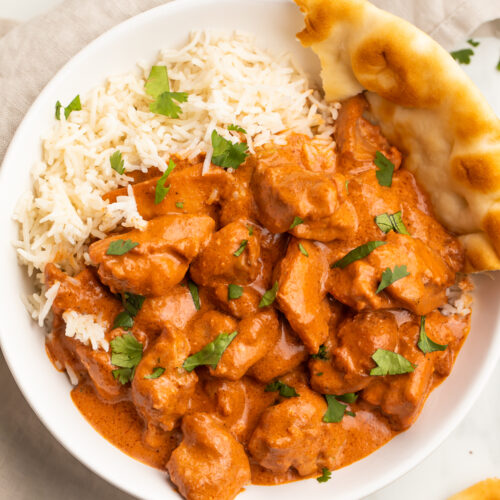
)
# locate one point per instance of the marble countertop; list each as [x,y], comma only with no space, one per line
[43,469]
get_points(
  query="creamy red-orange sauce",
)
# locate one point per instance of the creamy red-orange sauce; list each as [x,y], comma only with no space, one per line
[297,210]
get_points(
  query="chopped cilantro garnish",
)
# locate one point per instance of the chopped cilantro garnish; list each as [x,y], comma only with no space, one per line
[326,475]
[296,222]
[74,105]
[126,353]
[303,251]
[390,363]
[358,253]
[158,86]
[390,276]
[193,290]
[210,355]
[226,154]
[179,204]
[250,230]
[321,354]
[462,56]
[387,222]
[385,169]
[160,190]
[269,297]
[234,292]
[336,410]
[425,344]
[285,390]
[472,42]
[132,303]
[236,128]
[123,320]
[241,248]
[120,247]
[348,397]
[116,161]
[157,372]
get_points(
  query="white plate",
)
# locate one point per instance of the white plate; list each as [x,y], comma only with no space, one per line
[274,22]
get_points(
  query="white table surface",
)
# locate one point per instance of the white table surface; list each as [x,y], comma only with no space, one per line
[472,451]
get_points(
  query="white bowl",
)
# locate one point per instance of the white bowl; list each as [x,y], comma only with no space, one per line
[275,22]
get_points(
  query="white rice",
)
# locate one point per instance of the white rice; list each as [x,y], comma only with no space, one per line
[86,329]
[459,301]
[228,79]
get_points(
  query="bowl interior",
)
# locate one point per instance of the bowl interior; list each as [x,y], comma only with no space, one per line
[275,23]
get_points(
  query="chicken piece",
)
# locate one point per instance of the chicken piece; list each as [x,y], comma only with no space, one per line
[401,397]
[289,434]
[161,401]
[256,336]
[199,194]
[302,293]
[357,338]
[239,404]
[244,306]
[287,353]
[217,264]
[285,192]
[209,464]
[174,309]
[84,295]
[161,258]
[358,140]
[422,291]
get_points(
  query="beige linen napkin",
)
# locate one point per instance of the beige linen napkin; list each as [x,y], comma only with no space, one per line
[32,464]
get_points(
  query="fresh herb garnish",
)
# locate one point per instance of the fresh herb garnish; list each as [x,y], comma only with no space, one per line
[179,204]
[116,161]
[390,363]
[319,374]
[389,276]
[498,65]
[120,247]
[234,292]
[358,253]
[132,303]
[123,320]
[250,230]
[425,344]
[226,154]
[348,397]
[347,187]
[193,290]
[335,411]
[387,222]
[126,353]
[285,390]
[236,128]
[303,251]
[157,372]
[386,169]
[269,297]
[462,56]
[472,42]
[160,190]
[241,248]
[326,475]
[321,354]
[74,105]
[158,86]
[296,222]
[210,355]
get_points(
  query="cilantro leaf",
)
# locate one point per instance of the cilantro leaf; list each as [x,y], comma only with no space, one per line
[126,352]
[234,292]
[462,56]
[326,475]
[158,86]
[157,82]
[348,397]
[386,169]
[74,105]
[160,190]
[472,42]
[296,222]
[123,320]
[358,253]
[193,290]
[132,303]
[250,230]
[269,297]
[236,128]
[321,354]
[336,410]
[120,247]
[303,251]
[179,204]
[226,154]
[210,355]
[391,276]
[347,187]
[157,372]
[241,248]
[116,161]
[387,222]
[390,363]
[425,344]
[285,390]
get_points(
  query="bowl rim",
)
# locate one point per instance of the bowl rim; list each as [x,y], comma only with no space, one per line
[405,464]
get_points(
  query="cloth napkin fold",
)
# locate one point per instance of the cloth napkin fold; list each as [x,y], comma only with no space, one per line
[32,463]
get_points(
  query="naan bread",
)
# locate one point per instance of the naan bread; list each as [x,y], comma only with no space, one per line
[425,105]
[489,489]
